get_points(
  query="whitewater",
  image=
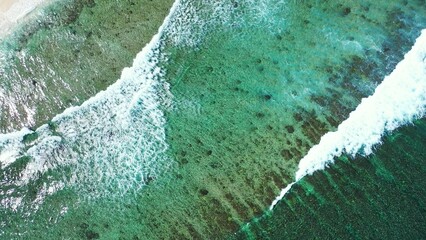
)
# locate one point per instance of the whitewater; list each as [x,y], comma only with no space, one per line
[129,115]
[398,100]
[115,141]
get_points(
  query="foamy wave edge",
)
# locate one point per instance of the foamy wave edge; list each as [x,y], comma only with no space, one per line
[12,140]
[136,87]
[398,100]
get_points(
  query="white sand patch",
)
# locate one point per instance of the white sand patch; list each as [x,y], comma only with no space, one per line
[13,12]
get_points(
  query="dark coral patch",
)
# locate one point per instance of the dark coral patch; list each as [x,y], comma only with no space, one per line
[290,129]
[286,154]
[204,192]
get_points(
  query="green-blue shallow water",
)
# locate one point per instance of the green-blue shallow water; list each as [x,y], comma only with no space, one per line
[200,135]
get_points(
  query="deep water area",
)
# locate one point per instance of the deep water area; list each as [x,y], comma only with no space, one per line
[375,197]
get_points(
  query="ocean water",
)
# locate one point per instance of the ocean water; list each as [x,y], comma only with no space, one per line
[65,55]
[375,197]
[219,112]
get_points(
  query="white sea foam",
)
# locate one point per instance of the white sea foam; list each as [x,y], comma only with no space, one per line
[111,144]
[398,100]
[194,20]
[9,146]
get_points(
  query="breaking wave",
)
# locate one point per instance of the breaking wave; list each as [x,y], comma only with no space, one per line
[112,144]
[398,100]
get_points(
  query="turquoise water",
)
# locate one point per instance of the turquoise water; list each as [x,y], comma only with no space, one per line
[209,124]
[73,50]
[376,197]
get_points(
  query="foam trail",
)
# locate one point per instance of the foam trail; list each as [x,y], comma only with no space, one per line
[112,144]
[115,141]
[398,100]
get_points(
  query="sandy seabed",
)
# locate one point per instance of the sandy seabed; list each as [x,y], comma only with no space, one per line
[12,12]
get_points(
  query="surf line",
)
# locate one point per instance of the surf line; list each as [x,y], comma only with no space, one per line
[94,139]
[398,100]
[11,143]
